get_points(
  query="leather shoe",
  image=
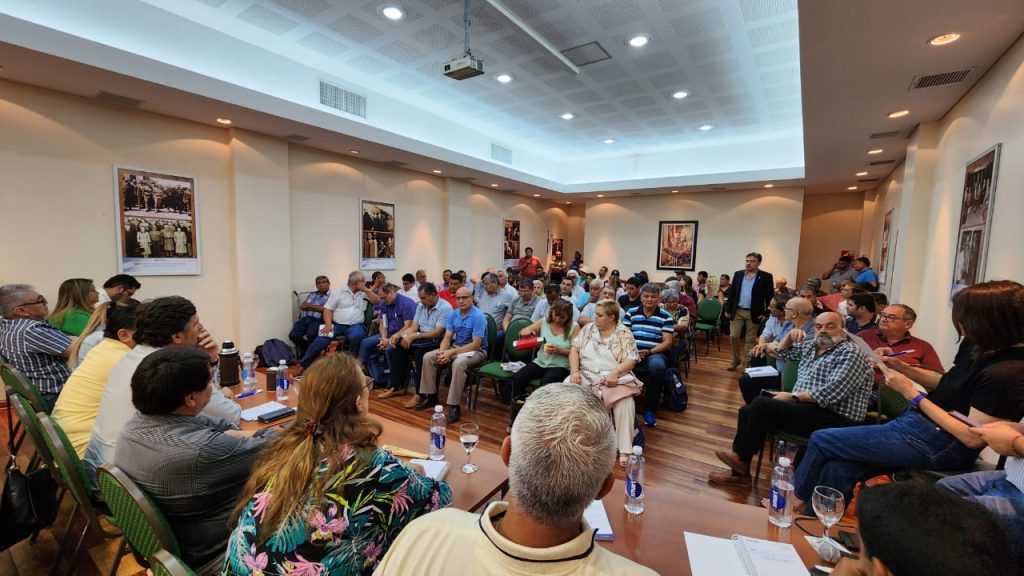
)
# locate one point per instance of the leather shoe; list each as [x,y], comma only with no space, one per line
[732,460]
[728,478]
[453,414]
[412,402]
[390,392]
[428,402]
[733,366]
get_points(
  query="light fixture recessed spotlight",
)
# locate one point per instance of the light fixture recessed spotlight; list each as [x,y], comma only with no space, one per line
[568,202]
[494,185]
[391,11]
[536,195]
[861,174]
[675,191]
[875,151]
[609,141]
[705,127]
[680,94]
[899,113]
[568,116]
[224,121]
[353,151]
[943,39]
[851,187]
[504,78]
[600,195]
[769,185]
[639,40]
[437,171]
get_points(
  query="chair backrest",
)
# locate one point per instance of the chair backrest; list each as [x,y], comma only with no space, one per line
[137,516]
[891,402]
[368,315]
[514,328]
[708,311]
[22,385]
[789,372]
[72,471]
[163,563]
[30,421]
[492,336]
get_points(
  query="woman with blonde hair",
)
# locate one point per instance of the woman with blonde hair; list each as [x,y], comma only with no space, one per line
[91,335]
[323,498]
[75,301]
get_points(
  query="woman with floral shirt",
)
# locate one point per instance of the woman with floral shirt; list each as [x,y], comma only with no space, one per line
[323,498]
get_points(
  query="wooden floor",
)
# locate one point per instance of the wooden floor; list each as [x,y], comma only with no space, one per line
[679,452]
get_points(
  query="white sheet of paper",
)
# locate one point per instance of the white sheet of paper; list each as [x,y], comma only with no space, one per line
[597,517]
[761,371]
[710,556]
[256,411]
[436,469]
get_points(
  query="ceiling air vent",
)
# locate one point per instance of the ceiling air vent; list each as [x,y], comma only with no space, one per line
[940,79]
[880,135]
[501,153]
[296,138]
[881,162]
[111,98]
[586,54]
[341,99]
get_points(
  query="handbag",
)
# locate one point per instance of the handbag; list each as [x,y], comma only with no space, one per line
[27,505]
[612,394]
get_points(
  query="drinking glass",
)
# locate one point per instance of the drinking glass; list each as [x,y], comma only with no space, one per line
[828,506]
[469,435]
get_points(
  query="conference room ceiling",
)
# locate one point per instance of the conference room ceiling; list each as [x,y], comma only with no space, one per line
[262,64]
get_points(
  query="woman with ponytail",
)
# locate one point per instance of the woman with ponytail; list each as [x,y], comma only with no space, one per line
[323,498]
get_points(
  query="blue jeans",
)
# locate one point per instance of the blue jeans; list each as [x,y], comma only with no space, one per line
[841,457]
[368,347]
[354,333]
[654,381]
[990,488]
[304,331]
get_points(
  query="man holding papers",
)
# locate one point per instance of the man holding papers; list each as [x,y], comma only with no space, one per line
[892,338]
[786,314]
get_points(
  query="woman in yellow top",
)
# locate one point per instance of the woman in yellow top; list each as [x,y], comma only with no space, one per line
[79,400]
[75,301]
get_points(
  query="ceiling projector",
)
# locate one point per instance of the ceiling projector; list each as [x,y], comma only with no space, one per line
[464,67]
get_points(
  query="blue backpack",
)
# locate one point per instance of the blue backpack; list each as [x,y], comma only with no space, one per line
[273,351]
[675,397]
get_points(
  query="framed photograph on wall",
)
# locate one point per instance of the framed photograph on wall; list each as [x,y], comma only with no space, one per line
[376,235]
[883,258]
[677,244]
[975,219]
[157,223]
[511,243]
[557,245]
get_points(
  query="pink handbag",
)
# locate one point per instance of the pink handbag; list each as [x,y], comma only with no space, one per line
[612,394]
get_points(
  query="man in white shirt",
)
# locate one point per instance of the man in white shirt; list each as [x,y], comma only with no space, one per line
[551,293]
[505,287]
[344,314]
[560,458]
[410,287]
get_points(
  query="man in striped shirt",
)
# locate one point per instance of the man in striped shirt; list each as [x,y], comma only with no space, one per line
[311,316]
[652,329]
[33,346]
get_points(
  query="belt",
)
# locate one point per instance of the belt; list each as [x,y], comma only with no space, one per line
[742,308]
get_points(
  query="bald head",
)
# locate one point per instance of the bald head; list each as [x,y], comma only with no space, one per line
[802,307]
[464,299]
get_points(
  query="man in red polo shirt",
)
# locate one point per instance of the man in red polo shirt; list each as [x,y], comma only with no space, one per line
[893,337]
[529,265]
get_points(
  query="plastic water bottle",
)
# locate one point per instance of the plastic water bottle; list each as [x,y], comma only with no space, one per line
[780,510]
[248,373]
[635,481]
[282,381]
[438,423]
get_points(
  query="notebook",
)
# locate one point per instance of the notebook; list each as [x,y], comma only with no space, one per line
[436,469]
[741,556]
[761,371]
[597,517]
[255,412]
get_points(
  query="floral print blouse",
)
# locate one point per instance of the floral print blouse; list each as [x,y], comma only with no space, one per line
[344,531]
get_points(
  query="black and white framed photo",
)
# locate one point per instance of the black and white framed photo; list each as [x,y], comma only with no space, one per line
[157,223]
[377,235]
[677,244]
[975,219]
[510,243]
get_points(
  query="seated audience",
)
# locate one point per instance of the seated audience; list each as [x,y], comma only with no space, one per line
[576,290]
[170,322]
[494,302]
[808,293]
[311,316]
[841,271]
[409,344]
[815,285]
[34,347]
[832,389]
[865,276]
[445,276]
[593,294]
[506,287]
[79,401]
[553,292]
[773,330]
[344,315]
[860,313]
[119,287]
[396,313]
[1001,491]
[538,287]
[836,302]
[782,287]
[192,467]
[587,315]
[455,281]
[907,529]
[552,361]
[653,329]
[91,335]
[410,287]
[75,301]
[892,337]
[602,352]
[983,383]
[421,278]
[323,497]
[523,305]
[463,347]
[560,458]
[631,298]
[681,325]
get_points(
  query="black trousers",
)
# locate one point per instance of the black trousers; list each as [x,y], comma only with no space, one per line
[765,415]
[751,387]
[403,358]
[522,378]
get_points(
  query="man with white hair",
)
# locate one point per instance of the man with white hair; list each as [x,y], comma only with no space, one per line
[560,458]
[343,314]
[32,345]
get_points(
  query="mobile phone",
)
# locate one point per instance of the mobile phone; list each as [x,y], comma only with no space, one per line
[964,419]
[849,539]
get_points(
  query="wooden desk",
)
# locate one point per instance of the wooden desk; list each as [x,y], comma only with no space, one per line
[469,491]
[655,538]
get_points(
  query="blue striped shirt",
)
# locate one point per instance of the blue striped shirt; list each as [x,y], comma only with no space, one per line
[648,330]
[316,299]
[34,348]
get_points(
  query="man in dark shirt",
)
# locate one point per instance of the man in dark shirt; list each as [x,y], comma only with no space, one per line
[860,313]
[631,299]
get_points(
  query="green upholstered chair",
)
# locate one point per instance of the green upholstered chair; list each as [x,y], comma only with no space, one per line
[22,385]
[163,563]
[493,369]
[473,374]
[31,428]
[138,517]
[709,311]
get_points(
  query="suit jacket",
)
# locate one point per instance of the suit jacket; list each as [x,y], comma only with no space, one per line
[760,296]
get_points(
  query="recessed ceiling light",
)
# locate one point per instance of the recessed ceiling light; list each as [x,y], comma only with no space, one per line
[943,39]
[568,116]
[609,141]
[680,95]
[353,151]
[391,11]
[876,151]
[568,202]
[861,174]
[494,185]
[639,40]
[600,195]
[536,195]
[223,121]
[504,78]
[705,127]
[769,185]
[899,113]
[851,187]
[437,171]
[675,191]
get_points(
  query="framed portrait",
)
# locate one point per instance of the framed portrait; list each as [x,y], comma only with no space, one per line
[883,258]
[157,223]
[557,245]
[376,235]
[511,243]
[975,219]
[677,244]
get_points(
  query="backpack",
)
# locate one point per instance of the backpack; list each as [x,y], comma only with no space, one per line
[272,352]
[675,396]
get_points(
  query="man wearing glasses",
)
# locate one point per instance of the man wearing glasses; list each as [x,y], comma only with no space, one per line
[33,346]
[892,339]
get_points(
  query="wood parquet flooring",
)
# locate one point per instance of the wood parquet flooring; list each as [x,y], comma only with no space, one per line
[679,452]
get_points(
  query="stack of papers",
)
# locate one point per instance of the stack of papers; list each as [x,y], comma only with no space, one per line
[513,366]
[761,371]
[255,412]
[436,469]
[597,517]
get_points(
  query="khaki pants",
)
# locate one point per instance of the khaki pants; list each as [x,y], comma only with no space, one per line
[740,319]
[428,379]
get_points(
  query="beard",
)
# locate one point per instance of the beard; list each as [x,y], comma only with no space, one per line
[823,341]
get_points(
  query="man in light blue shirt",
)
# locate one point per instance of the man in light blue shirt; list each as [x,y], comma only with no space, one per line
[865,275]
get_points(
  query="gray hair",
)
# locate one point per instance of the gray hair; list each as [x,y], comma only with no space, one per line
[563,448]
[669,293]
[801,305]
[650,288]
[12,296]
[356,277]
[489,277]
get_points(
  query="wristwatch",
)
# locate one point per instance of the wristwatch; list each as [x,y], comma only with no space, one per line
[795,398]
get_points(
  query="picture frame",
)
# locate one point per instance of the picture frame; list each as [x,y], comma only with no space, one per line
[377,235]
[157,222]
[677,245]
[974,231]
[883,258]
[557,245]
[510,242]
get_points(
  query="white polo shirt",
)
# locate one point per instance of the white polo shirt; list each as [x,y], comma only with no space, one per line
[347,307]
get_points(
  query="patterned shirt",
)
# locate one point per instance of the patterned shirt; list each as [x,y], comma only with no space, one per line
[346,530]
[839,379]
[649,330]
[316,299]
[34,348]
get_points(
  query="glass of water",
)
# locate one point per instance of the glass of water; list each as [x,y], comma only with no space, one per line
[469,435]
[828,505]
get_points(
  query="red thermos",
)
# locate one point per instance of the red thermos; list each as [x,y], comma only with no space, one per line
[528,343]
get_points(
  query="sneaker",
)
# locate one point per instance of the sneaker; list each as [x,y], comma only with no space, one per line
[649,419]
[412,402]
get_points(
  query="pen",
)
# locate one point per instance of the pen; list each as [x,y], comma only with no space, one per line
[905,352]
[244,394]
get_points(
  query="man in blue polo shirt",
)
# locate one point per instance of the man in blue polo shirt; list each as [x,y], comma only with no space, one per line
[652,329]
[866,277]
[463,346]
[396,314]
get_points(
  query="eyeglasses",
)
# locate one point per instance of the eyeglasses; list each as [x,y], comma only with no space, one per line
[40,300]
[890,317]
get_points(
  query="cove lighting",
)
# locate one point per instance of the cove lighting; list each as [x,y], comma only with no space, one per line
[225,121]
[943,39]
[536,195]
[353,151]
[705,127]
[494,185]
[600,195]
[639,40]
[899,113]
[675,191]
[875,151]
[504,78]
[680,95]
[861,174]
[391,12]
[568,116]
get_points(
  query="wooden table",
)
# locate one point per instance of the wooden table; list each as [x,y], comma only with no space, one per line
[655,538]
[469,491]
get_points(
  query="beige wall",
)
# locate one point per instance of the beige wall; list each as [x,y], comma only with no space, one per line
[830,223]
